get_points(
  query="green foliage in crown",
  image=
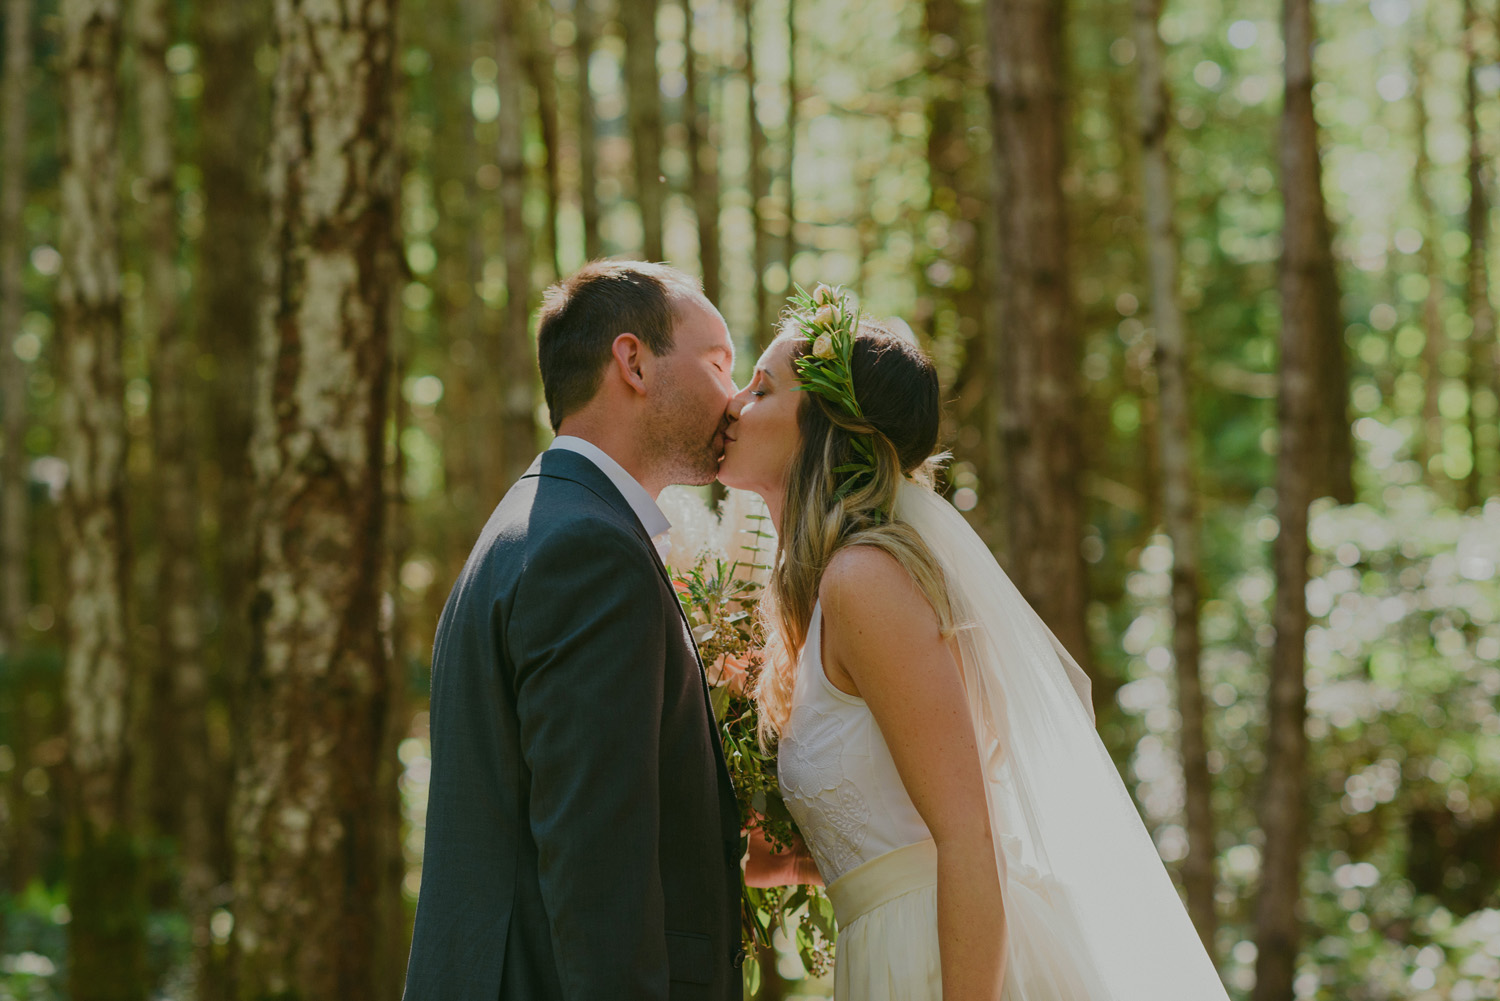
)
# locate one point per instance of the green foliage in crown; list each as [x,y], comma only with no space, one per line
[829,321]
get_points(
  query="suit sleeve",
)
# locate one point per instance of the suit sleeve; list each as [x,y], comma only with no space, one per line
[588,642]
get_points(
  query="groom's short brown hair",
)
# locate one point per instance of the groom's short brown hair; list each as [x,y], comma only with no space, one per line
[583,314]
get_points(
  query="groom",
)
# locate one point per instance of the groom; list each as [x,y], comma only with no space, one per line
[582,836]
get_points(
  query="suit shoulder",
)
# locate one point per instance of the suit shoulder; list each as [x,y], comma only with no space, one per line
[540,507]
[589,537]
[551,518]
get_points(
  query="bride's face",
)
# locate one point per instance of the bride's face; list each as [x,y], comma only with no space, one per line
[762,438]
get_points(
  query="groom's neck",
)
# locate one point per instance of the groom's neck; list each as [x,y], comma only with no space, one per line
[620,444]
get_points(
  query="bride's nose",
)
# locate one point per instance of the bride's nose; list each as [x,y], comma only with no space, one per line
[737,403]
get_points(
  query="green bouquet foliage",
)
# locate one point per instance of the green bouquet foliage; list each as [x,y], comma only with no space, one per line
[720,601]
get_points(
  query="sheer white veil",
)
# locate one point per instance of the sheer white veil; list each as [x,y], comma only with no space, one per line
[1057,804]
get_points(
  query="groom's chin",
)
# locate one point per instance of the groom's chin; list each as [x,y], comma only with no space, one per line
[702,475]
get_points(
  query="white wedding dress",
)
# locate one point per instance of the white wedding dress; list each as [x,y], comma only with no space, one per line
[879,862]
[1091,913]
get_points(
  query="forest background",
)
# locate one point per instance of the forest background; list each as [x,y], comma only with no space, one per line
[1210,289]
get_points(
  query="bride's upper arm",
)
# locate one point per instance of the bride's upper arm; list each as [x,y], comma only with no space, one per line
[881,631]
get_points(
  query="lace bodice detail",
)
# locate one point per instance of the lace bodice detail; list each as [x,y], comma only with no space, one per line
[836,773]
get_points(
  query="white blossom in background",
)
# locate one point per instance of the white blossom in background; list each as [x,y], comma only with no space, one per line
[698,532]
[695,528]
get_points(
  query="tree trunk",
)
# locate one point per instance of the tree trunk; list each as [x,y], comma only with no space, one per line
[231,264]
[107,933]
[643,94]
[952,304]
[541,62]
[309,815]
[448,34]
[703,160]
[789,245]
[230,284]
[1304,267]
[1429,441]
[395,932]
[19,834]
[588,162]
[1038,359]
[1333,443]
[516,364]
[15,592]
[1174,426]
[759,185]
[179,776]
[1481,310]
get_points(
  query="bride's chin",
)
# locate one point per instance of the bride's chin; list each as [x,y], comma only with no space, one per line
[727,476]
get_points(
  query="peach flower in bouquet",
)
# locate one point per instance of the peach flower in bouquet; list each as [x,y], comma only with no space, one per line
[719,563]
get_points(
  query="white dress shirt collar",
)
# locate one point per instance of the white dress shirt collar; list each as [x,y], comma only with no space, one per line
[656,524]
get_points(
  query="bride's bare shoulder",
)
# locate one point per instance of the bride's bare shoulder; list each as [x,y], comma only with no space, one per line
[863,586]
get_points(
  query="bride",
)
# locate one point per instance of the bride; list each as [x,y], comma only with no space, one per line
[934,741]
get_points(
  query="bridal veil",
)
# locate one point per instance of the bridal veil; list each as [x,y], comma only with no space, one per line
[1057,804]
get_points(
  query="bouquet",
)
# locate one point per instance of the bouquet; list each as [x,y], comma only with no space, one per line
[719,595]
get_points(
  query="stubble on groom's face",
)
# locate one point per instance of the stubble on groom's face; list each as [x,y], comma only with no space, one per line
[691,412]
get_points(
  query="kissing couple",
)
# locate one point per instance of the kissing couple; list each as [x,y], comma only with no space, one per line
[934,742]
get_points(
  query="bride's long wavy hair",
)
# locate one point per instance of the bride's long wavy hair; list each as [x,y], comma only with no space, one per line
[897,389]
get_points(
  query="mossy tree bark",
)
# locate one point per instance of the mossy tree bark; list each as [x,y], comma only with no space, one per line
[105,889]
[309,814]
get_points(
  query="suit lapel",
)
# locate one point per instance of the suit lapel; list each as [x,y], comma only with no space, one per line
[564,464]
[567,465]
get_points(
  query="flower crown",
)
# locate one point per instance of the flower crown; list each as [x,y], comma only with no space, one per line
[828,319]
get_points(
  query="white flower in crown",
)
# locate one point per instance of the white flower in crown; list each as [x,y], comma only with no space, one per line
[824,296]
[823,346]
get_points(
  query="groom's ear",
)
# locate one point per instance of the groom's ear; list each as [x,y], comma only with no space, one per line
[629,360]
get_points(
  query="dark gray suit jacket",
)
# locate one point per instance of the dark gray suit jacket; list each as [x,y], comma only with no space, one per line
[582,837]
